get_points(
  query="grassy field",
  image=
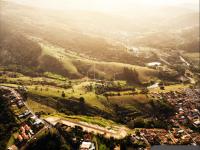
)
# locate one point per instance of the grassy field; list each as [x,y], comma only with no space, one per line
[129,99]
[91,98]
[77,92]
[25,80]
[55,76]
[9,85]
[11,141]
[176,87]
[37,107]
[130,102]
[58,53]
[74,62]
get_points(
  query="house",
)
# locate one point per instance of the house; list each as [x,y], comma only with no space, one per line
[26,113]
[27,128]
[20,104]
[37,122]
[22,129]
[87,146]
[13,101]
[25,136]
[197,123]
[186,139]
[20,138]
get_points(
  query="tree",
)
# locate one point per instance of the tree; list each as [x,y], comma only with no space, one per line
[137,132]
[63,94]
[131,124]
[36,88]
[139,123]
[82,100]
[144,91]
[131,75]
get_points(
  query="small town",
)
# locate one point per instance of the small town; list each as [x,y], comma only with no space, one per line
[184,124]
[29,124]
[99,75]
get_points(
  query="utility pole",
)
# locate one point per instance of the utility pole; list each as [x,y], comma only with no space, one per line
[87,76]
[94,71]
[114,76]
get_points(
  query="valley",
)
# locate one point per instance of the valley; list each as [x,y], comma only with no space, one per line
[105,77]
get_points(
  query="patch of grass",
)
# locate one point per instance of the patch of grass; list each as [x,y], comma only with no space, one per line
[55,76]
[176,87]
[11,141]
[58,53]
[74,62]
[37,107]
[9,85]
[129,99]
[25,80]
[77,92]
[45,90]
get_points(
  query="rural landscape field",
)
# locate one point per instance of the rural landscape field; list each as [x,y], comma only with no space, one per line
[99,74]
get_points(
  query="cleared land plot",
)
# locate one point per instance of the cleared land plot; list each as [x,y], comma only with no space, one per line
[117,131]
[176,87]
[73,62]
[37,107]
[129,99]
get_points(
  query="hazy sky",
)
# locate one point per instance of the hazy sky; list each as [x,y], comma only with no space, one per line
[109,5]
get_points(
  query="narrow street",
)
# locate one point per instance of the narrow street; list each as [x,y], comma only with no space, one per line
[46,125]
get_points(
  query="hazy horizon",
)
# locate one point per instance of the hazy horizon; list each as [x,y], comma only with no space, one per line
[115,74]
[111,6]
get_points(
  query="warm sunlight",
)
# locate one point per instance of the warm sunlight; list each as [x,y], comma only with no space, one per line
[99,74]
[108,5]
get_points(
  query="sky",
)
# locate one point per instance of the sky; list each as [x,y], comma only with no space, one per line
[109,5]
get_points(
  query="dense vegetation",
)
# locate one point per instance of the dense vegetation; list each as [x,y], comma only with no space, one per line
[48,141]
[17,49]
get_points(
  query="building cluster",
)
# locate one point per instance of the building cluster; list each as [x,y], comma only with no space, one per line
[25,133]
[139,140]
[187,104]
[157,136]
[175,136]
[147,137]
[86,143]
[186,121]
[77,137]
[29,124]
